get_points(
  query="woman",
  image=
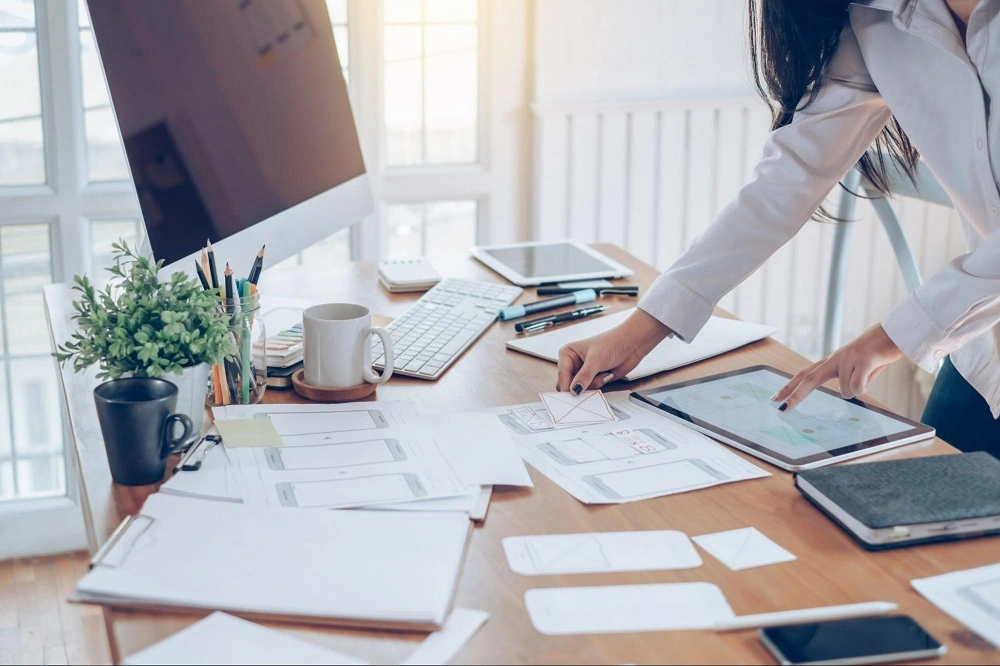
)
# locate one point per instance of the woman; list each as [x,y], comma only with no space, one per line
[883,82]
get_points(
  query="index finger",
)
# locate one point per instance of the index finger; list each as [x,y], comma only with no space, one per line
[819,375]
[569,363]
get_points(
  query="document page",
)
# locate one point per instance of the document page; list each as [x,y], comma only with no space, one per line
[372,454]
[600,552]
[639,456]
[626,608]
[971,596]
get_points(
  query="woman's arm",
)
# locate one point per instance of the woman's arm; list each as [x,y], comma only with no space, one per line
[802,162]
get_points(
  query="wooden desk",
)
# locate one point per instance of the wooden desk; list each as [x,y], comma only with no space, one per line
[830,569]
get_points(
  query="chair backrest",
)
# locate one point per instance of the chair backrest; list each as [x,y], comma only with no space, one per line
[926,188]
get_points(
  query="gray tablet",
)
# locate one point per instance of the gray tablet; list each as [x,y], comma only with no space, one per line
[543,262]
[736,408]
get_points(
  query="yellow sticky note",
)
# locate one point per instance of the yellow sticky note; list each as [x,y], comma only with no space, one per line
[242,433]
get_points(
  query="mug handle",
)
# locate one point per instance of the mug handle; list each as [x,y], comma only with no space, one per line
[370,376]
[171,444]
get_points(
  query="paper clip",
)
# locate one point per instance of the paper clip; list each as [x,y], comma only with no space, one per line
[192,460]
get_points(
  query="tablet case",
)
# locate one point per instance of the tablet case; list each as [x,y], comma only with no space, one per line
[913,491]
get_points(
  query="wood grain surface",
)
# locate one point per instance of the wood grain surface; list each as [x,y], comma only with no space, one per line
[830,569]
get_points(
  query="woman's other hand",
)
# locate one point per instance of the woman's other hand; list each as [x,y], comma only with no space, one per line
[854,365]
[592,363]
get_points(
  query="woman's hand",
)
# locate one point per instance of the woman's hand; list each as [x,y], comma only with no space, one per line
[854,365]
[594,362]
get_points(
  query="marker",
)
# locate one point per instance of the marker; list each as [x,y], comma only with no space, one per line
[821,614]
[576,298]
[533,325]
[623,290]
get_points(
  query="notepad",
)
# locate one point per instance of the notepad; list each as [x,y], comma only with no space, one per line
[719,335]
[378,568]
[238,433]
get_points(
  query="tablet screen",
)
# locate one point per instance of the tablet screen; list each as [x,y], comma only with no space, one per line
[548,260]
[740,404]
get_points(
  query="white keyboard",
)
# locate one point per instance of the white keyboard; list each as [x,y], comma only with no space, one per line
[427,338]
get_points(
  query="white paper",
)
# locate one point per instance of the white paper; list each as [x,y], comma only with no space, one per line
[224,639]
[639,456]
[718,336]
[441,646]
[567,408]
[601,552]
[971,596]
[367,566]
[626,608]
[369,454]
[743,548]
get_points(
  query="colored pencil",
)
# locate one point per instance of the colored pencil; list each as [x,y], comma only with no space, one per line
[211,265]
[201,276]
[205,269]
[229,293]
[245,351]
[258,266]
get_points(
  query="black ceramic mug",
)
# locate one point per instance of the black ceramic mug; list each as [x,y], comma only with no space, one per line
[139,425]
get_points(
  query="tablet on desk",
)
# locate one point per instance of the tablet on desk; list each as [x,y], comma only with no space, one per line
[543,262]
[736,408]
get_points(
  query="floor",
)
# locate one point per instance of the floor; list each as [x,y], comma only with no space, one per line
[37,624]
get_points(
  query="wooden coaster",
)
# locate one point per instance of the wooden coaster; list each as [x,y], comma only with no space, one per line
[321,394]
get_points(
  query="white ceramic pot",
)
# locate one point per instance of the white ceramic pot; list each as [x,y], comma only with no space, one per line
[192,386]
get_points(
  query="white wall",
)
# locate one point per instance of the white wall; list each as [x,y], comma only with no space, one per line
[645,127]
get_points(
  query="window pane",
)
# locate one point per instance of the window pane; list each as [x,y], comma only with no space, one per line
[26,268]
[431,82]
[338,11]
[440,227]
[5,434]
[95,90]
[41,476]
[17,14]
[105,154]
[22,152]
[104,233]
[402,11]
[19,72]
[444,11]
[403,94]
[6,480]
[35,396]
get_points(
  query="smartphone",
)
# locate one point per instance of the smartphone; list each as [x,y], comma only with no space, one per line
[607,446]
[346,454]
[318,423]
[360,491]
[674,476]
[867,640]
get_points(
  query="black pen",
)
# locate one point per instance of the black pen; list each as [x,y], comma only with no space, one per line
[544,322]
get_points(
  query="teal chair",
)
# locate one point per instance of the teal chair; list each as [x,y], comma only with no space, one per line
[926,188]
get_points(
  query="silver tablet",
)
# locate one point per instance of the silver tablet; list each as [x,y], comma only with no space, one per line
[542,262]
[736,408]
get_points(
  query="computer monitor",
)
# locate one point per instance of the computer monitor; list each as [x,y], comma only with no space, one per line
[236,123]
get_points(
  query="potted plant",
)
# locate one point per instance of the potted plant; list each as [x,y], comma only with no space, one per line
[142,326]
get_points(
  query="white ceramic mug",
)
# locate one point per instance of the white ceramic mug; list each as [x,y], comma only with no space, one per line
[337,346]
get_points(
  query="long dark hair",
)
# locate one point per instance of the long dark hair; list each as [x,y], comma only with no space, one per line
[791,44]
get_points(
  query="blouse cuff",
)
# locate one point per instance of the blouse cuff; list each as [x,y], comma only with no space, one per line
[677,307]
[916,334]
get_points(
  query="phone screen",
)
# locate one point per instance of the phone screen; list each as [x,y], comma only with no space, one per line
[850,639]
[336,455]
[352,492]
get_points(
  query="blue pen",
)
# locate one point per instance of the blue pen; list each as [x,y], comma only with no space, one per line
[577,297]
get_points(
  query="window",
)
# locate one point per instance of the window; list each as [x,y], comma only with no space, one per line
[419,77]
[22,148]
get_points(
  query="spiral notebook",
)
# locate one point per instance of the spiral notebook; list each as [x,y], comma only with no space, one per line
[358,568]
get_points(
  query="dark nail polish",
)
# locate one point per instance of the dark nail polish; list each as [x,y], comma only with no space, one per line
[783,406]
[578,388]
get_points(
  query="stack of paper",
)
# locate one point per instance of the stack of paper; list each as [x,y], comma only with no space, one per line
[356,455]
[283,323]
[356,567]
[971,596]
[638,455]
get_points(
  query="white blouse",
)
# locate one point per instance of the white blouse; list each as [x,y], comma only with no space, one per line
[896,57]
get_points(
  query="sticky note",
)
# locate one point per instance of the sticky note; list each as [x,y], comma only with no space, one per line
[743,548]
[243,433]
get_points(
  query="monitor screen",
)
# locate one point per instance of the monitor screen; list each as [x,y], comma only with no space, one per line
[230,111]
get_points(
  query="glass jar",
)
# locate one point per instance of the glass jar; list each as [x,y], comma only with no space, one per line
[242,379]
